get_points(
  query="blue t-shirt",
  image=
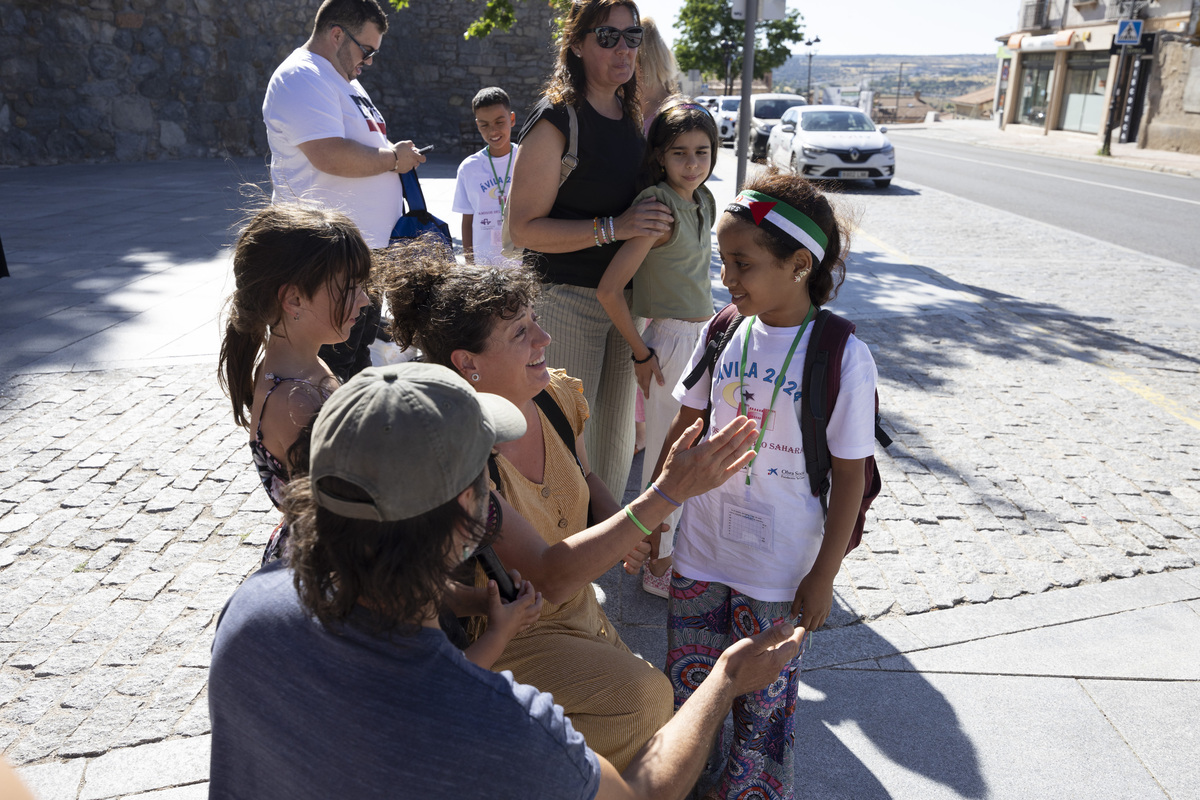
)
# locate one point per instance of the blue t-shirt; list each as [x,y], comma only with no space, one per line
[301,712]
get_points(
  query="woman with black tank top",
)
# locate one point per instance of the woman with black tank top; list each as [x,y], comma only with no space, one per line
[571,232]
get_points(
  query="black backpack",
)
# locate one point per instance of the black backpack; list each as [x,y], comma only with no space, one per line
[818,394]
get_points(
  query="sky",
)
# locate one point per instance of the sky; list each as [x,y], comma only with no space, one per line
[886,27]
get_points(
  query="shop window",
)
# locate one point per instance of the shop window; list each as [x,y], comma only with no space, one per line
[1036,72]
[1083,104]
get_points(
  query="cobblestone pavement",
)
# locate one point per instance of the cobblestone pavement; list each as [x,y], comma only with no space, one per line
[1041,386]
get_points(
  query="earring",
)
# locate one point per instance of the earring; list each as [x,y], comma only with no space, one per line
[799,276]
[475,376]
[467,550]
[296,317]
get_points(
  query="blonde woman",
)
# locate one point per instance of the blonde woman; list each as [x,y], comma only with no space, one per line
[658,74]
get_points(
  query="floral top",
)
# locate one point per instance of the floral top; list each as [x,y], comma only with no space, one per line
[273,474]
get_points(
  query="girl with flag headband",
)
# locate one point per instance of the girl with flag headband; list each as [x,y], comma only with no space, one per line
[758,550]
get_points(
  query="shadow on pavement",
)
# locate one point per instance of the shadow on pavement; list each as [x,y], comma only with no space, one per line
[866,188]
[90,247]
[843,715]
[923,343]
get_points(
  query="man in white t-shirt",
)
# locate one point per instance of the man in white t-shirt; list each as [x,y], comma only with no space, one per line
[329,143]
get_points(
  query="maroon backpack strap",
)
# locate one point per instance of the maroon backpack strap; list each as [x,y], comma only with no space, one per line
[720,331]
[818,395]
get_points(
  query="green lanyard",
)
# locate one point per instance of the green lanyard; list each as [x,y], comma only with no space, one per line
[779,380]
[500,187]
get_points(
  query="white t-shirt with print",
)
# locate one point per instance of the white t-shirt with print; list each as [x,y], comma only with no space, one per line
[478,192]
[762,539]
[308,99]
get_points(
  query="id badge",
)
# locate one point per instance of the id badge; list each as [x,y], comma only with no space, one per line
[494,227]
[748,522]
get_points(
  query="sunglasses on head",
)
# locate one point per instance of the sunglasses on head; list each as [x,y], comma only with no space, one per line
[607,36]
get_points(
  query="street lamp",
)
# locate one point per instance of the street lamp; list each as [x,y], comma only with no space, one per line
[728,47]
[808,91]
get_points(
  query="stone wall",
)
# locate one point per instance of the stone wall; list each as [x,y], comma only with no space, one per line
[127,80]
[1171,126]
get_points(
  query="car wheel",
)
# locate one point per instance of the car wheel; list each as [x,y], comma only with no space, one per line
[883,184]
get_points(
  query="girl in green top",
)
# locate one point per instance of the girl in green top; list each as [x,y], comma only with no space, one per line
[671,283]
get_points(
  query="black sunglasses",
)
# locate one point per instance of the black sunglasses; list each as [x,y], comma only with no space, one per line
[368,52]
[607,36]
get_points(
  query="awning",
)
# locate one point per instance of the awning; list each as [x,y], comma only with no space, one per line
[1062,40]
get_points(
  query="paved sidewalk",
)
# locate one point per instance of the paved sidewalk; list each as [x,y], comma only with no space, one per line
[1021,621]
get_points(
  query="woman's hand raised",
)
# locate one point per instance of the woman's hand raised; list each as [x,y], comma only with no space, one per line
[693,470]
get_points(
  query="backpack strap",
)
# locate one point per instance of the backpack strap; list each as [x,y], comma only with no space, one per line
[570,159]
[493,470]
[818,395]
[414,197]
[558,420]
[720,331]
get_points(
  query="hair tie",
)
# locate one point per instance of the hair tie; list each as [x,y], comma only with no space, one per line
[775,215]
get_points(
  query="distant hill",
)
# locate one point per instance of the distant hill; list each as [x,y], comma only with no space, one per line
[937,78]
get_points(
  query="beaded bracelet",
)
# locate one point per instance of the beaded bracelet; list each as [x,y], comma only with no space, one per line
[634,520]
[612,230]
[644,360]
[596,230]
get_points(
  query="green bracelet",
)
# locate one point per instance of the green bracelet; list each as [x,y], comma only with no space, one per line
[634,520]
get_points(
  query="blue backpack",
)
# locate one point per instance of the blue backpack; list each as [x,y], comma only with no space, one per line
[417,220]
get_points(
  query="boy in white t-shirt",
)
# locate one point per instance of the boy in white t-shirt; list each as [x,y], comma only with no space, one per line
[484,178]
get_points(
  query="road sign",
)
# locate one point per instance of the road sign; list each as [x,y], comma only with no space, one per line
[767,9]
[1129,31]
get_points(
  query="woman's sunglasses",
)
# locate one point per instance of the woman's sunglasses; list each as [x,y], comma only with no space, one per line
[607,36]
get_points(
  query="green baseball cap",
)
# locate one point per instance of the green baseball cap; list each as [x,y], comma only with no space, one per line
[412,436]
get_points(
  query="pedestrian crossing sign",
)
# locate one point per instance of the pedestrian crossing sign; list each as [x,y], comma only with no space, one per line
[1129,31]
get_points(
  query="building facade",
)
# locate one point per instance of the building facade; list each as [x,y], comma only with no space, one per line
[1063,69]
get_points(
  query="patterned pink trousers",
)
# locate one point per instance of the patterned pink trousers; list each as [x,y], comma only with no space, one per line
[704,619]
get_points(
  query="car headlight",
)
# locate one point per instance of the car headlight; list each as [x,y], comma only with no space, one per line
[812,151]
[887,149]
[764,130]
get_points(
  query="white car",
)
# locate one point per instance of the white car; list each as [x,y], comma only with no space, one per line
[832,143]
[726,116]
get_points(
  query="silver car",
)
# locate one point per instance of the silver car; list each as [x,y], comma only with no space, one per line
[766,111]
[832,143]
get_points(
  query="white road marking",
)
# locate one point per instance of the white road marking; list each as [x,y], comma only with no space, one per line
[1052,175]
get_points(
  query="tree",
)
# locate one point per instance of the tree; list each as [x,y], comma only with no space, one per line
[704,24]
[496,14]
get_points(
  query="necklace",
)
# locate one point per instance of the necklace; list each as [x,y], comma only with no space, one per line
[779,380]
[501,187]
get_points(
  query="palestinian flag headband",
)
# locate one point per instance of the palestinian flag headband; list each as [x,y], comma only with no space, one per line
[767,212]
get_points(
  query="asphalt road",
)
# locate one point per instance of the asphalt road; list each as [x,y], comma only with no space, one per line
[1150,212]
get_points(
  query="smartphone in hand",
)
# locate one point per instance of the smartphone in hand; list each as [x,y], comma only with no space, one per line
[425,149]
[494,569]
